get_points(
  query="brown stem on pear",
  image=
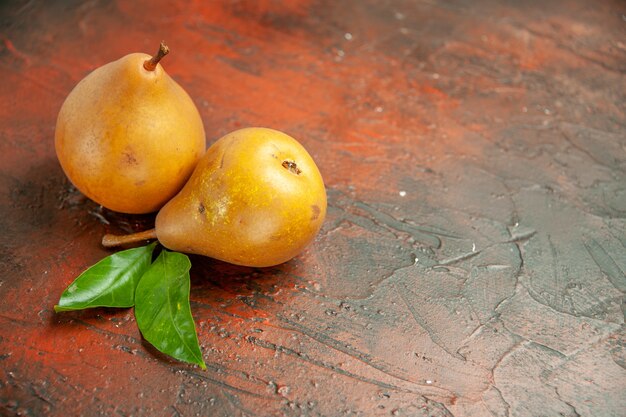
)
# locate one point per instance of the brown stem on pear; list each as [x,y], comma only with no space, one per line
[151,64]
[111,241]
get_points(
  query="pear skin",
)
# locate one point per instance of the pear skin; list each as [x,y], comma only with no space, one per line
[256,198]
[128,136]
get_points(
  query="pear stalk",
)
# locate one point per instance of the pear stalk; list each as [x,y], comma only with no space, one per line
[151,64]
[112,241]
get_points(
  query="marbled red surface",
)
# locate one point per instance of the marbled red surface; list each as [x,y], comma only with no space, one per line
[474,255]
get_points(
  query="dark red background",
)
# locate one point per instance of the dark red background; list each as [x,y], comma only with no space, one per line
[472,262]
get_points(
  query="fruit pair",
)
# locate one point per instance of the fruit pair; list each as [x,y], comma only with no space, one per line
[129,137]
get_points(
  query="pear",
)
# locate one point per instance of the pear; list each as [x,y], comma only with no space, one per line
[128,136]
[256,198]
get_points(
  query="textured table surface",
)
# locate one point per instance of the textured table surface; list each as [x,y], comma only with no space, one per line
[473,258]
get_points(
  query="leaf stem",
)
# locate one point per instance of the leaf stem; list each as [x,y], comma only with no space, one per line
[111,241]
[151,64]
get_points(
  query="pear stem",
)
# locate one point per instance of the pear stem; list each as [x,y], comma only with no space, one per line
[151,64]
[111,241]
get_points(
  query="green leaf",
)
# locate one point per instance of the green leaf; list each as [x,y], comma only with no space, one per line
[162,308]
[109,283]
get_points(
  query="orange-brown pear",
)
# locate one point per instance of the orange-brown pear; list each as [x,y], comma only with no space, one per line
[128,136]
[256,198]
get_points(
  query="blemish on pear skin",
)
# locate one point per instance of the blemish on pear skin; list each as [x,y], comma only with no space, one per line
[129,158]
[292,167]
[201,208]
[316,212]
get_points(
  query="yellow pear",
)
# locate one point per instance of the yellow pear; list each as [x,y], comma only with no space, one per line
[128,136]
[256,198]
